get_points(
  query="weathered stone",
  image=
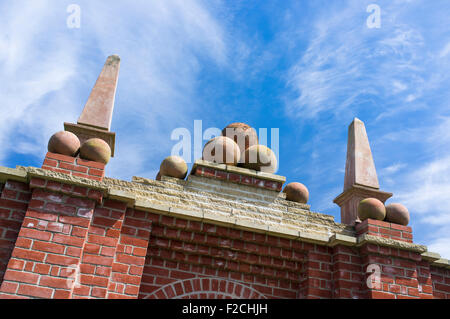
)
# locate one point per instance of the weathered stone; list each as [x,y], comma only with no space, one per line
[97,150]
[158,176]
[371,208]
[243,135]
[222,150]
[296,192]
[99,108]
[65,143]
[260,158]
[173,166]
[397,213]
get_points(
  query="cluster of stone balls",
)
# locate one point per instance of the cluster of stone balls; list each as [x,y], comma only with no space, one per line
[237,146]
[374,209]
[67,143]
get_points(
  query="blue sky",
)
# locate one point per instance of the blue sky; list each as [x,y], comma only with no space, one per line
[305,67]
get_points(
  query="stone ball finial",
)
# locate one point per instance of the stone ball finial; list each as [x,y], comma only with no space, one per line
[222,150]
[173,166]
[397,213]
[243,135]
[158,176]
[260,158]
[95,149]
[65,143]
[371,208]
[296,192]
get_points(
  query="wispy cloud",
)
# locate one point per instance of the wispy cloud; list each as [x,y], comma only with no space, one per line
[49,69]
[396,79]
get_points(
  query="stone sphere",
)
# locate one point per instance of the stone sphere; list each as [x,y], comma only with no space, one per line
[173,166]
[296,192]
[95,149]
[371,208]
[243,135]
[158,176]
[397,213]
[260,158]
[65,143]
[222,150]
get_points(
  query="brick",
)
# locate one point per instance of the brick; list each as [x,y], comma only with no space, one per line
[61,294]
[9,287]
[61,260]
[95,195]
[81,191]
[139,261]
[123,278]
[42,269]
[76,221]
[16,186]
[6,203]
[68,240]
[73,252]
[107,222]
[97,260]
[47,281]
[106,241]
[99,292]
[20,276]
[41,215]
[60,208]
[35,291]
[96,172]
[48,247]
[16,264]
[79,231]
[128,240]
[74,168]
[90,163]
[28,254]
[81,202]
[114,204]
[60,157]
[54,186]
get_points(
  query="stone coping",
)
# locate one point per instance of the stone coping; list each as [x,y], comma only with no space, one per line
[22,174]
[239,170]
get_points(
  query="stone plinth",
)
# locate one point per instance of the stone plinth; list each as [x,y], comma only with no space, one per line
[349,200]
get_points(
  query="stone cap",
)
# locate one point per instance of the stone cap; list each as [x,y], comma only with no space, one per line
[362,190]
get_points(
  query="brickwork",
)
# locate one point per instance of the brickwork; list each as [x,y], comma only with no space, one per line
[348,273]
[13,205]
[237,178]
[385,230]
[74,166]
[182,250]
[441,282]
[61,240]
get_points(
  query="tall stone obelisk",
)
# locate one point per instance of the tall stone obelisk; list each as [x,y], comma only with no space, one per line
[95,120]
[361,179]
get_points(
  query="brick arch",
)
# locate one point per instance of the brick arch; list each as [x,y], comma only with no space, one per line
[205,288]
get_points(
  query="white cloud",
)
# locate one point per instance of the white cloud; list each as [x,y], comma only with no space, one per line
[49,70]
[445,51]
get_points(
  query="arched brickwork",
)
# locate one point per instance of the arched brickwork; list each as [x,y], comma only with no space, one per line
[201,288]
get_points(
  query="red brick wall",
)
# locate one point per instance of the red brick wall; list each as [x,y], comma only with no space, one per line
[13,205]
[441,282]
[182,251]
[74,166]
[65,241]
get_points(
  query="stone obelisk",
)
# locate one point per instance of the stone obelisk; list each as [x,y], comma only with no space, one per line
[361,179]
[95,120]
